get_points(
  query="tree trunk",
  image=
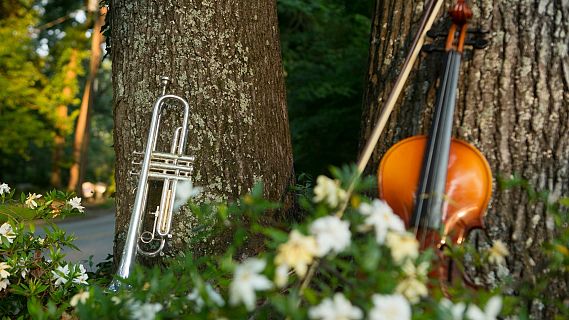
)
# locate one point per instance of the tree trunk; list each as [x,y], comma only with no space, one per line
[62,125]
[513,103]
[77,171]
[224,59]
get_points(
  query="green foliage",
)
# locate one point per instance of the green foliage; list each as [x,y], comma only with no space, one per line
[209,287]
[20,82]
[324,48]
[359,271]
[35,280]
[43,55]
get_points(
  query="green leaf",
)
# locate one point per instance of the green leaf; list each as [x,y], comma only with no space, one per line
[310,296]
[276,235]
[370,260]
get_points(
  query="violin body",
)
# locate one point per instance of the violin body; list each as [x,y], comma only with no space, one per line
[440,186]
[468,184]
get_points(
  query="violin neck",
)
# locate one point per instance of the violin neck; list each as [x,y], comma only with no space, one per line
[430,199]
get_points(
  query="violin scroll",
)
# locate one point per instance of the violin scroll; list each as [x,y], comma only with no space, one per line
[460,13]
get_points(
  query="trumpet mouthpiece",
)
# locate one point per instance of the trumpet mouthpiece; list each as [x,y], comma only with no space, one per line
[164,81]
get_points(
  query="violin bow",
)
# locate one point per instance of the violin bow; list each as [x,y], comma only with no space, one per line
[431,11]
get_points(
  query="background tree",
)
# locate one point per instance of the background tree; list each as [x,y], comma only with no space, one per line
[43,50]
[512,104]
[224,59]
[22,118]
[81,141]
[324,48]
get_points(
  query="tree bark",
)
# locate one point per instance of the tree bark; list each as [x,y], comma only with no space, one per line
[224,59]
[78,167]
[513,105]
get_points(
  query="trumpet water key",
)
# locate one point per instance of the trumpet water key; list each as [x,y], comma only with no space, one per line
[166,167]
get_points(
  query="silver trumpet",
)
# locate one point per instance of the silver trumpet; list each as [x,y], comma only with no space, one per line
[160,166]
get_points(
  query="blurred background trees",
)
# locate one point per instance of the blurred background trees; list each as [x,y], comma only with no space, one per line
[325,49]
[44,62]
[44,51]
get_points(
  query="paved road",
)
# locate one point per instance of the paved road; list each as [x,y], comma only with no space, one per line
[94,234]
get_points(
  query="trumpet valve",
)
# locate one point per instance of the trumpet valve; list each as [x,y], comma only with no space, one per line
[165,166]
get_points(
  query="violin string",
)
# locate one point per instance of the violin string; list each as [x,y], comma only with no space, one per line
[424,195]
[443,146]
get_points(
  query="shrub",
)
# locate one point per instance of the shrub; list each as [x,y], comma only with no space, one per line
[339,263]
[35,280]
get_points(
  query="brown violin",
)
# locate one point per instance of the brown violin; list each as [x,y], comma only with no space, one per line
[440,186]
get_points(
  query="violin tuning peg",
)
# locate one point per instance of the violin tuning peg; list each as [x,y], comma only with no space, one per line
[477,43]
[477,38]
[429,48]
[478,31]
[436,34]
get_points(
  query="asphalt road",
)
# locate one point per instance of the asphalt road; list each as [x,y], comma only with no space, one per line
[94,234]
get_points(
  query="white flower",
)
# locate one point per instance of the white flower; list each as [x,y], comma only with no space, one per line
[75,203]
[338,309]
[213,296]
[4,284]
[7,231]
[453,311]
[491,311]
[31,200]
[389,307]
[40,240]
[24,271]
[143,311]
[281,275]
[60,274]
[184,191]
[328,191]
[297,253]
[413,286]
[413,271]
[4,188]
[498,253]
[332,235]
[246,280]
[80,297]
[82,277]
[196,298]
[412,289]
[3,267]
[381,218]
[403,246]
